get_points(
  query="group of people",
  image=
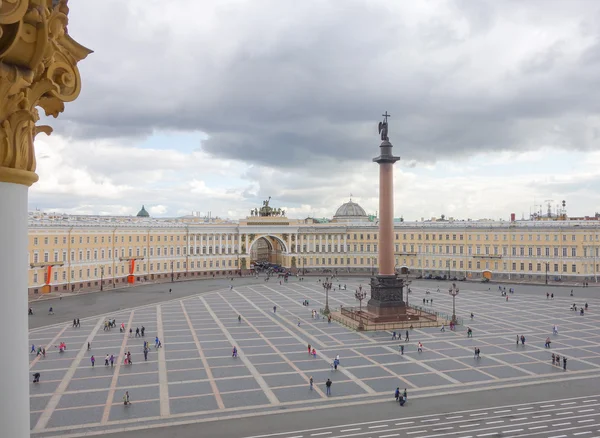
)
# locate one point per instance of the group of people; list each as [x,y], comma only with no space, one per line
[401,397]
[140,333]
[556,361]
[41,351]
[581,311]
[399,336]
[76,323]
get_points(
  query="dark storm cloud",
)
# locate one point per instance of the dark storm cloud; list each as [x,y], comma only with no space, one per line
[282,82]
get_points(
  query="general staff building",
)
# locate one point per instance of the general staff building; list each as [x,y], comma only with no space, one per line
[72,253]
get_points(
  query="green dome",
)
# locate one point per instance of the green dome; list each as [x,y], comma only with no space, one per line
[143,212]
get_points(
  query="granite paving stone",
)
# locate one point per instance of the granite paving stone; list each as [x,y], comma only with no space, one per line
[71,417]
[193,404]
[244,399]
[135,410]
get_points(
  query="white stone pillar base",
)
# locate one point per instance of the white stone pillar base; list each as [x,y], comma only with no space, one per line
[14,325]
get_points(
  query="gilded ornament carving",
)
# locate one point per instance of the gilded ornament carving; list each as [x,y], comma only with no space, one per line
[38,69]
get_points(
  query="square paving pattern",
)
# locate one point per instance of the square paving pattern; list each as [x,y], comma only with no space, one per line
[194,374]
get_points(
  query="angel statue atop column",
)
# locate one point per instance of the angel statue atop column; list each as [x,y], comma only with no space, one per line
[383,128]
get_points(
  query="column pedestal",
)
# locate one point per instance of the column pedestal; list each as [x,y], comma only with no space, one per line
[386,296]
[14,369]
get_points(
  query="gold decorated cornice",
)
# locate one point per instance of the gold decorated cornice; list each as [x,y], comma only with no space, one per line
[38,68]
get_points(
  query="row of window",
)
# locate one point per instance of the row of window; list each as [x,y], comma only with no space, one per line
[98,272]
[539,267]
[306,237]
[101,239]
[139,252]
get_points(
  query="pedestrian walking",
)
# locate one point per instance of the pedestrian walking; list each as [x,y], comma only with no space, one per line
[314,353]
[32,348]
[401,349]
[393,336]
[443,329]
[156,342]
[420,347]
[126,400]
[407,339]
[564,363]
[137,332]
[143,330]
[309,349]
[130,332]
[93,360]
[112,360]
[310,383]
[553,359]
[328,386]
[106,359]
[89,346]
[145,353]
[397,394]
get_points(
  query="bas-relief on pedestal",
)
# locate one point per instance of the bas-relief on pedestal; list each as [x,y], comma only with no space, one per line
[386,295]
[38,67]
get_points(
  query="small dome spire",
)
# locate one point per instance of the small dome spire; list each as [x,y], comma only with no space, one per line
[143,212]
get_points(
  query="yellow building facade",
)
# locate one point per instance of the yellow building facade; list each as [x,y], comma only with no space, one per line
[71,253]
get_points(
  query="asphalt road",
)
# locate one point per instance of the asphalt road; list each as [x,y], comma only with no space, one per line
[296,424]
[97,303]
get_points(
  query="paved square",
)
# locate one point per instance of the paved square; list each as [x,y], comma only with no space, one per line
[195,375]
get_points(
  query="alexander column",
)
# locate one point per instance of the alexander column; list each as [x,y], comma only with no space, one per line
[386,289]
[38,69]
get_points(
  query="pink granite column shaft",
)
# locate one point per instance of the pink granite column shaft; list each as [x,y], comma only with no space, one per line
[386,219]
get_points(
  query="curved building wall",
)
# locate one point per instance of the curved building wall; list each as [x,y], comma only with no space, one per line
[79,255]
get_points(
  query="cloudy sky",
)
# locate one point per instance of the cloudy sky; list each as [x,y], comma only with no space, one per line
[214,105]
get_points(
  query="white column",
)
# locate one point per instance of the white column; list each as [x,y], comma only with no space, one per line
[339,243]
[247,246]
[321,243]
[14,324]
[239,237]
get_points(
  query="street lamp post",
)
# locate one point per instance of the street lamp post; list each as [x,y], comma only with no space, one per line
[360,296]
[327,287]
[101,278]
[454,292]
[172,279]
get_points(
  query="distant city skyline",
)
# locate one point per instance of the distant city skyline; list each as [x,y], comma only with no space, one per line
[491,109]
